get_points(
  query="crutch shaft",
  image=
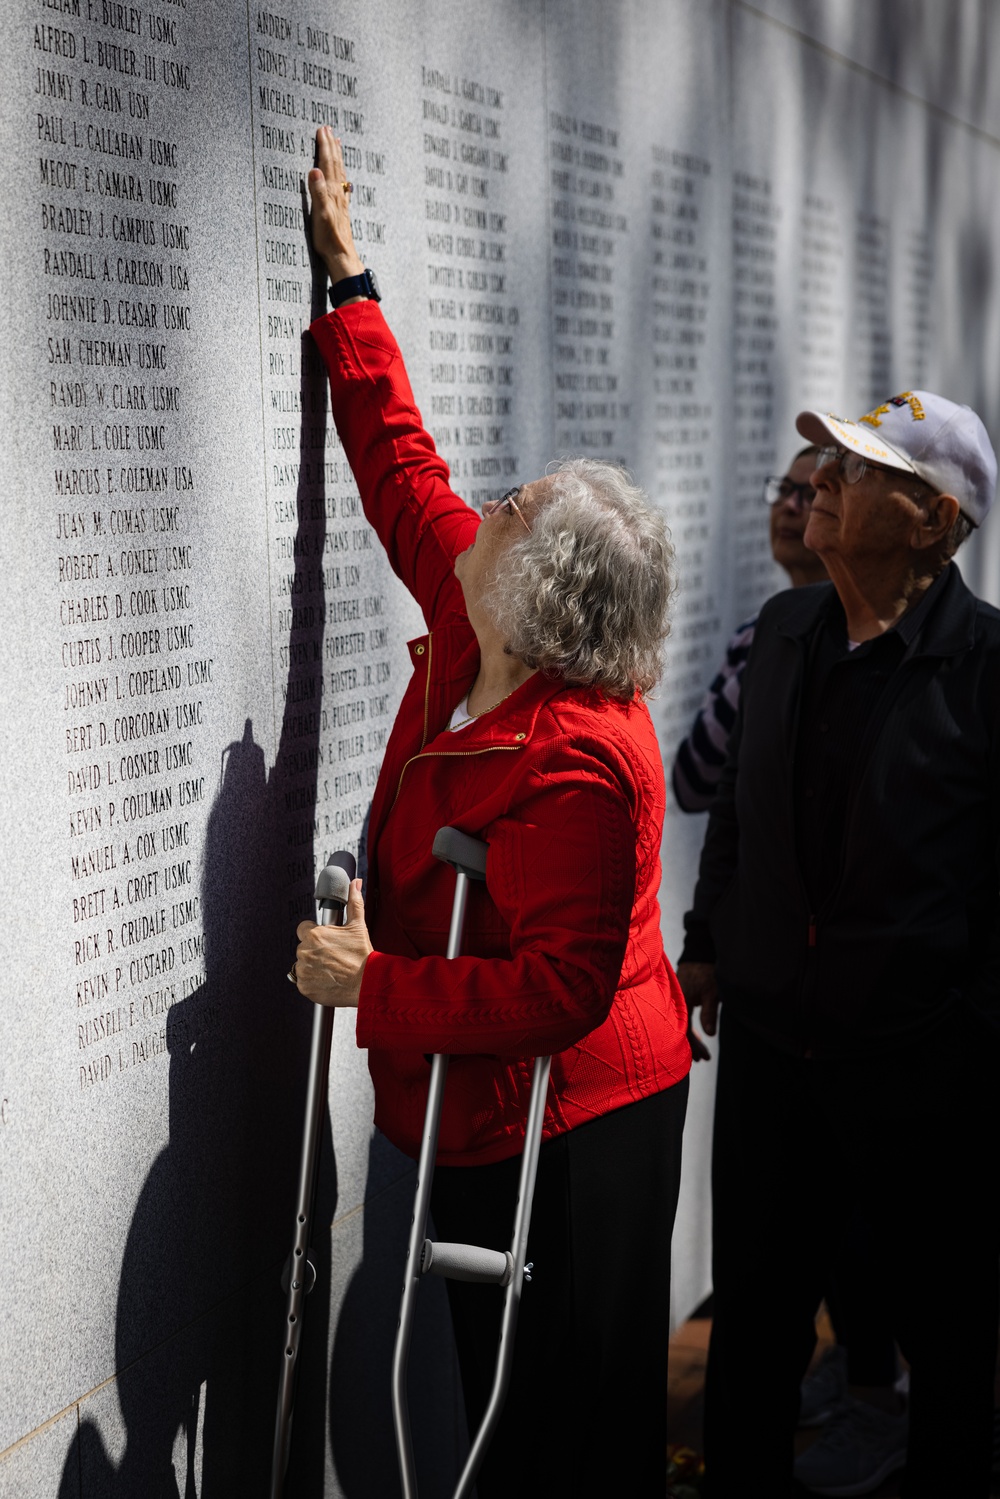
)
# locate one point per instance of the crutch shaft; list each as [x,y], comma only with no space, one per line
[418,1226]
[458,915]
[469,1262]
[512,1296]
[299,1272]
[411,1276]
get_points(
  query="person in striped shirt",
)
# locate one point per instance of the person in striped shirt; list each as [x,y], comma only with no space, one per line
[700,757]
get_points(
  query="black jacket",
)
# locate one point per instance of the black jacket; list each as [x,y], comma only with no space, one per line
[911,931]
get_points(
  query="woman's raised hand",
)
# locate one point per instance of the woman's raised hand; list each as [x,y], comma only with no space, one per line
[329,190]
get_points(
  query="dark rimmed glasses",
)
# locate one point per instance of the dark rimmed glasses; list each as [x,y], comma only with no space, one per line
[777,489]
[507,502]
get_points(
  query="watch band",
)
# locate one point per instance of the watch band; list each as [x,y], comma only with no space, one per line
[364,285]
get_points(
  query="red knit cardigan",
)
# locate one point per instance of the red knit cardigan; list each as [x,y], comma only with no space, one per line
[563,946]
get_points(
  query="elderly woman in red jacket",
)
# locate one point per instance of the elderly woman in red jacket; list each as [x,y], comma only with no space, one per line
[524,725]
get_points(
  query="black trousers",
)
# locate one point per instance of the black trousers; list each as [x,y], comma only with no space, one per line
[856,1303]
[586,1410]
[910,1141]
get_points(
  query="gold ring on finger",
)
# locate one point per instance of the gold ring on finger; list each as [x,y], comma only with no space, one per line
[348,187]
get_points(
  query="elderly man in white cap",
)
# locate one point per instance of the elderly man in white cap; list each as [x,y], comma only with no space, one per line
[847,920]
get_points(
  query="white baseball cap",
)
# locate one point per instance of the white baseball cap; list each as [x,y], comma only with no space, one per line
[923,434]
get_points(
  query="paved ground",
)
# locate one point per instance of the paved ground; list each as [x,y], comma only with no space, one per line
[688,1350]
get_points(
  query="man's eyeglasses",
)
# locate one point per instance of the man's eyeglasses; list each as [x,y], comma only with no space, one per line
[507,502]
[850,465]
[777,490]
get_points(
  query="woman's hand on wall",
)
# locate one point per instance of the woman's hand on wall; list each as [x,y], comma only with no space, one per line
[330,960]
[329,190]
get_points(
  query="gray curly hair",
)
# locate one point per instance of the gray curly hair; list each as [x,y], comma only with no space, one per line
[586,596]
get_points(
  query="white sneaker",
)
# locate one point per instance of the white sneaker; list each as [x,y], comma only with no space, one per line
[857,1452]
[824,1391]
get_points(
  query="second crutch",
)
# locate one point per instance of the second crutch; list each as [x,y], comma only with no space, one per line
[470,1262]
[332,889]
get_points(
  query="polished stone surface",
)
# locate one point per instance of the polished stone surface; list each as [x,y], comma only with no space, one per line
[650,232]
[36,1469]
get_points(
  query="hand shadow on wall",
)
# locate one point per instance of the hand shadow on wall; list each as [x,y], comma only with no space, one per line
[198,1335]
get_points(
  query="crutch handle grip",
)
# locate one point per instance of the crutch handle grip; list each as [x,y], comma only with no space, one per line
[334,882]
[467,855]
[488,1267]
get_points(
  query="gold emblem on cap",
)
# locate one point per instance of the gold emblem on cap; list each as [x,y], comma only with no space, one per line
[905,398]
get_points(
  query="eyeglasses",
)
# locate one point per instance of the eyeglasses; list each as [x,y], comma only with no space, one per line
[776,490]
[850,465]
[507,502]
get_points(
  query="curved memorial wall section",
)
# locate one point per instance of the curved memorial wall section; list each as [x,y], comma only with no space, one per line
[648,231]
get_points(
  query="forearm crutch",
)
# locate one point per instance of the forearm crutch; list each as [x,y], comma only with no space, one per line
[469,1262]
[332,889]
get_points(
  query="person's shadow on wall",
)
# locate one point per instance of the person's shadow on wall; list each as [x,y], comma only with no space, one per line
[198,1335]
[198,1328]
[200,1316]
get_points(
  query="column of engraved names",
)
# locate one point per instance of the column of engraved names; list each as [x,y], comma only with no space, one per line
[679,305]
[871,326]
[113,285]
[470,314]
[820,332]
[328,613]
[918,282]
[755,231]
[589,230]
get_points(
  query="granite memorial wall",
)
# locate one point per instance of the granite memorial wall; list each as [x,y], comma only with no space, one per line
[646,230]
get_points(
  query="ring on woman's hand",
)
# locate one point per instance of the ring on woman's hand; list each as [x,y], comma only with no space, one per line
[348,187]
[290,975]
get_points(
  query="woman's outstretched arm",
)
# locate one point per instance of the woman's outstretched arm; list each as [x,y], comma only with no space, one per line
[405,484]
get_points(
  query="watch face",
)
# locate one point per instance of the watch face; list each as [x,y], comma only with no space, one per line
[373,287]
